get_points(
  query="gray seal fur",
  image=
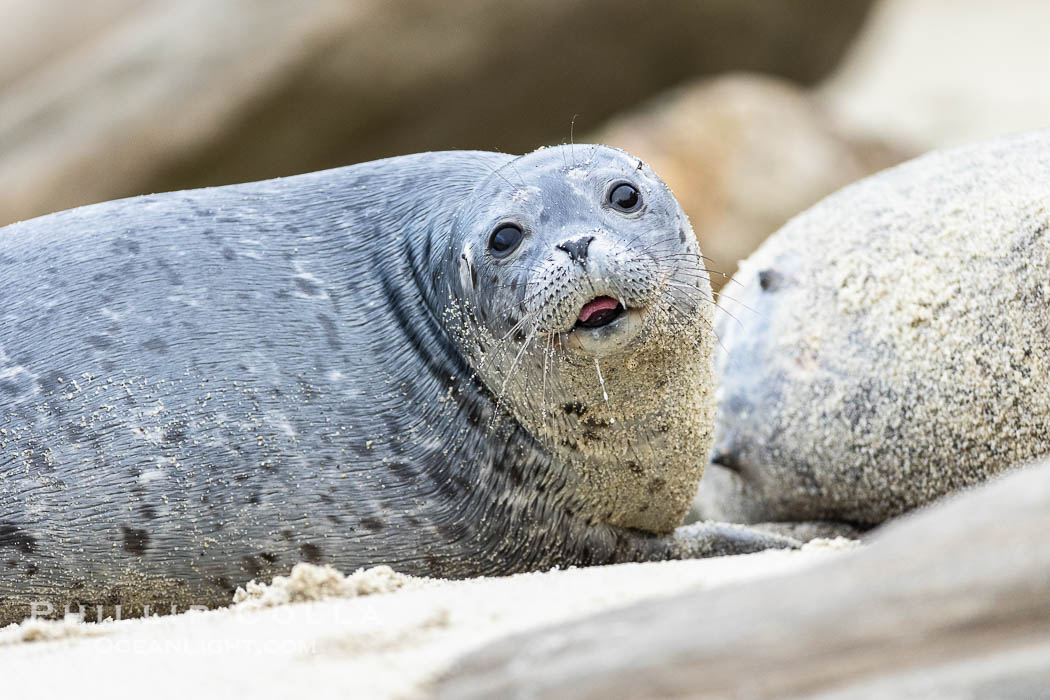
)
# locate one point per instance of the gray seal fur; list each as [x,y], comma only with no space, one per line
[891,345]
[204,387]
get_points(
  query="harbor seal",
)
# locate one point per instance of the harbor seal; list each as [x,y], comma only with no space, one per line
[890,345]
[456,363]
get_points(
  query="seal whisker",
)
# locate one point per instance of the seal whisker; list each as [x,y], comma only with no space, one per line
[510,373]
[513,164]
[708,324]
[572,144]
[548,351]
[601,380]
[500,175]
[739,303]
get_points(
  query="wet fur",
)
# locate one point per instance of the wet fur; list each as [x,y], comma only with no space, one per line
[204,387]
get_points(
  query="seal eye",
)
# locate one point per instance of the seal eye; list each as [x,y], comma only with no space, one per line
[625,197]
[505,239]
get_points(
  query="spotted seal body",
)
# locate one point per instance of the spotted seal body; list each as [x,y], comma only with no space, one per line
[454,363]
[891,344]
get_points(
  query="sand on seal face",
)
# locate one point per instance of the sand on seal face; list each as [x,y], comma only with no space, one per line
[373,633]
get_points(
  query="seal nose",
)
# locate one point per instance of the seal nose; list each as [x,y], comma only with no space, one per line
[577,248]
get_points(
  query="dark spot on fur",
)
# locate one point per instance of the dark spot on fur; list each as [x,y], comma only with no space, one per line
[227,253]
[307,287]
[574,408]
[595,422]
[38,456]
[571,444]
[147,511]
[453,531]
[635,468]
[100,342]
[268,557]
[224,583]
[125,245]
[14,537]
[75,433]
[330,331]
[176,432]
[251,565]
[135,541]
[50,382]
[373,524]
[656,485]
[310,553]
[156,345]
[402,470]
[681,235]
[174,278]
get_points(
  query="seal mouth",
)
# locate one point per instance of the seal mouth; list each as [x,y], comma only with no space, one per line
[598,312]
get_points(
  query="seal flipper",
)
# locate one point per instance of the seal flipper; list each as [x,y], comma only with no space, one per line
[806,530]
[714,539]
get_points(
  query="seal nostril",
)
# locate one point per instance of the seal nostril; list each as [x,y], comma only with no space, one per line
[577,248]
[729,460]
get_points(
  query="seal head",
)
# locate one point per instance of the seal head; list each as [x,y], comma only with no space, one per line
[891,345]
[576,287]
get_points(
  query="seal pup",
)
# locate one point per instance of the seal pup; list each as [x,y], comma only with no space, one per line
[456,363]
[891,344]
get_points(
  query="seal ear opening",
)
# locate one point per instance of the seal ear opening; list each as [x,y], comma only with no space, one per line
[468,274]
[769,280]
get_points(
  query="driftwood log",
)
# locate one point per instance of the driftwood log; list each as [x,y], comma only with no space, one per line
[153,95]
[953,602]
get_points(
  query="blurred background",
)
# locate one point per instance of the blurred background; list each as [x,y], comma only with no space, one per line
[751,110]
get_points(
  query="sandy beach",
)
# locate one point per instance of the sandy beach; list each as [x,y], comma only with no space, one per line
[384,636]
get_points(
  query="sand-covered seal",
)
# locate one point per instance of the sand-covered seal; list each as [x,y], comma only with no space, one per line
[453,363]
[891,344]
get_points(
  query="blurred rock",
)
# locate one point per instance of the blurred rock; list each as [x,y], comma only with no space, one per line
[944,72]
[185,93]
[34,34]
[743,154]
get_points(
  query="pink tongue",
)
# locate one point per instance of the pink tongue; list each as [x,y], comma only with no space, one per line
[595,306]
